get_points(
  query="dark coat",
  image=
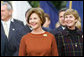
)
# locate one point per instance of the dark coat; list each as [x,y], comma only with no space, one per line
[17,30]
[3,42]
[70,42]
[56,30]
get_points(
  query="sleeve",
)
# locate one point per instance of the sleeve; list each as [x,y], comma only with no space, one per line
[22,48]
[54,47]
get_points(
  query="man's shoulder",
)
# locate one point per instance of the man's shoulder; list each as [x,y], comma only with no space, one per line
[17,24]
[17,21]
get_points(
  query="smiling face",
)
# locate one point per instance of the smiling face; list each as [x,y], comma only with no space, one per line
[70,20]
[71,17]
[5,13]
[36,13]
[34,21]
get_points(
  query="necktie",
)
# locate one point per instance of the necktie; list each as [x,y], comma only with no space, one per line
[6,29]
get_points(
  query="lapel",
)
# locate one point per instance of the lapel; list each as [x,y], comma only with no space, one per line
[60,28]
[2,30]
[12,31]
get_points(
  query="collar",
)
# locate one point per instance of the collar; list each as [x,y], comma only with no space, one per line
[11,19]
[63,27]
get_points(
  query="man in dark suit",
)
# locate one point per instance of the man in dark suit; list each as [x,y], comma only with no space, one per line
[60,25]
[12,30]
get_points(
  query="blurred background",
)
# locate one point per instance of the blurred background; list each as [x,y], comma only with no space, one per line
[57,4]
[50,7]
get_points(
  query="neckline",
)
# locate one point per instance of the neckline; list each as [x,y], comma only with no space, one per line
[38,35]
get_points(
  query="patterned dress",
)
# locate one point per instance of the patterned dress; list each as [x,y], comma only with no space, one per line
[70,42]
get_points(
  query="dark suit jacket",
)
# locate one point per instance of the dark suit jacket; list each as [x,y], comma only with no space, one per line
[3,42]
[27,28]
[56,30]
[15,34]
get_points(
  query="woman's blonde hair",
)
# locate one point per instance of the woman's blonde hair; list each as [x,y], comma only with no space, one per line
[76,15]
[78,24]
[39,12]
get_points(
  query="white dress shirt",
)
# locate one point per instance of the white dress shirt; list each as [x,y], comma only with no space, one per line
[6,26]
[63,27]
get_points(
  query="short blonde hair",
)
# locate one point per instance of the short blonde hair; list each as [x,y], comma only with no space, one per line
[39,12]
[76,15]
[73,12]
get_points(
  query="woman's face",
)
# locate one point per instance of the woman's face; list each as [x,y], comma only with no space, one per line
[34,21]
[70,20]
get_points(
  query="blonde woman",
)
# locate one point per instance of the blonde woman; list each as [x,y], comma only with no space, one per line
[70,40]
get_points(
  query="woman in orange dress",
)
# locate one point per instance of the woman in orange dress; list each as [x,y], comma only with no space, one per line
[38,42]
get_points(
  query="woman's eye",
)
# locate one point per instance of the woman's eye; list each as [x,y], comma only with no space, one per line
[35,18]
[70,16]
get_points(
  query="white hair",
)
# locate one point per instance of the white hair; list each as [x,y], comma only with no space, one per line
[9,5]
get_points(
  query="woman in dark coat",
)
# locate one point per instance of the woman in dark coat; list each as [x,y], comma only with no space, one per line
[70,40]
